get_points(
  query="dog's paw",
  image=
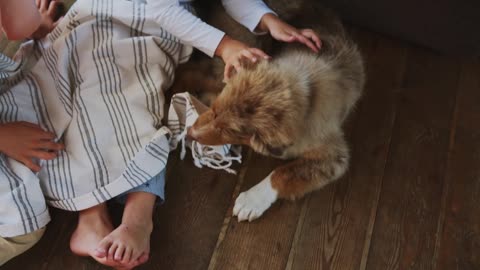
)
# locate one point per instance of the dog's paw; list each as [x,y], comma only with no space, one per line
[253,203]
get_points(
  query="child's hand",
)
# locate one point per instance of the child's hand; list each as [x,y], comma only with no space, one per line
[233,51]
[48,13]
[25,141]
[282,31]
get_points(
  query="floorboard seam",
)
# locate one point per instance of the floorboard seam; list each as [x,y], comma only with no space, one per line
[298,231]
[373,214]
[228,214]
[446,183]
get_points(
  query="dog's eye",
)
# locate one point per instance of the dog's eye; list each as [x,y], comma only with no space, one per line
[275,151]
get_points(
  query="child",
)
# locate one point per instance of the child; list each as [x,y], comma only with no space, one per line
[111,128]
[22,141]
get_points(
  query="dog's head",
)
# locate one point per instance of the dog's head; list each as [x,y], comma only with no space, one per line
[256,108]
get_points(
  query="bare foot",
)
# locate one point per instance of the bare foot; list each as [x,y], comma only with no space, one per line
[93,225]
[129,244]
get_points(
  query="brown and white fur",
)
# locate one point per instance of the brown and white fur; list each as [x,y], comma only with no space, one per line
[291,107]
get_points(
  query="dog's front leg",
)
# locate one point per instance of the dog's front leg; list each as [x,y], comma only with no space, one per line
[252,203]
[312,171]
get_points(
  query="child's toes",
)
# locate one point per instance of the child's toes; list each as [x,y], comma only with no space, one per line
[143,258]
[127,256]
[101,251]
[136,255]
[119,253]
[111,252]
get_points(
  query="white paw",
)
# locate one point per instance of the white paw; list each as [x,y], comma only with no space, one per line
[252,203]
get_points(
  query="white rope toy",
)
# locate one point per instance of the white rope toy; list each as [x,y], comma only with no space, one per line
[184,110]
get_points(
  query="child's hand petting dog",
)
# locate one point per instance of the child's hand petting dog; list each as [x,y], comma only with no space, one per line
[25,141]
[48,10]
[282,31]
[233,52]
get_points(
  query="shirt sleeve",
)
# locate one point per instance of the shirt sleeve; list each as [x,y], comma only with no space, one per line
[247,12]
[185,26]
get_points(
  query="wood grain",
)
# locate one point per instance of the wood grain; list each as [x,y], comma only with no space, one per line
[404,235]
[460,235]
[264,243]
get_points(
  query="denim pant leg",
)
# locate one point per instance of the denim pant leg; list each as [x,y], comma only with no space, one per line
[155,186]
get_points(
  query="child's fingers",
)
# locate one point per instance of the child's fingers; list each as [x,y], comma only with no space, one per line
[28,124]
[43,5]
[52,8]
[286,37]
[307,42]
[37,3]
[30,164]
[237,66]
[38,132]
[249,55]
[260,53]
[46,135]
[51,146]
[227,71]
[309,33]
[43,155]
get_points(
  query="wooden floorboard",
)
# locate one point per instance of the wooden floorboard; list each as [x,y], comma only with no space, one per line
[264,243]
[459,247]
[404,234]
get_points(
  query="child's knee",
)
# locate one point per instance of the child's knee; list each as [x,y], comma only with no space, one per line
[11,247]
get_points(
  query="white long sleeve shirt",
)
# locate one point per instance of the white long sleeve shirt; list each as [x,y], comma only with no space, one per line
[193,31]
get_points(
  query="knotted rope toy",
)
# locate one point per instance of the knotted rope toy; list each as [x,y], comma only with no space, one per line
[183,112]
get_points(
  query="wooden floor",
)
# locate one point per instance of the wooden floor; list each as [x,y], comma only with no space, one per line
[411,198]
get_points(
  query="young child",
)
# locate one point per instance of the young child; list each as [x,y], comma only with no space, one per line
[128,245]
[22,141]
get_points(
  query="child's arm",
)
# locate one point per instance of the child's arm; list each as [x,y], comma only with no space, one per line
[257,17]
[193,31]
[25,141]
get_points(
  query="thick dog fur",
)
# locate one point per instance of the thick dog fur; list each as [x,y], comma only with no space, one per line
[291,107]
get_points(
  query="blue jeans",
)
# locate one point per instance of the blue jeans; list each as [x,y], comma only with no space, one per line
[155,186]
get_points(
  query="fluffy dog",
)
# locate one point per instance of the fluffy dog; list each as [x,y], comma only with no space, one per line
[291,107]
